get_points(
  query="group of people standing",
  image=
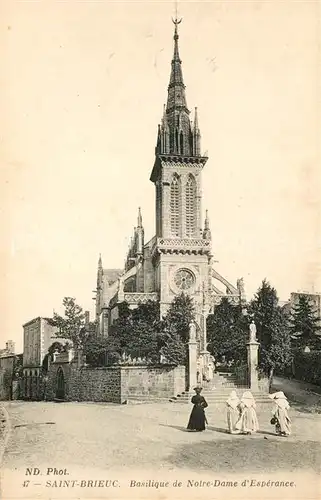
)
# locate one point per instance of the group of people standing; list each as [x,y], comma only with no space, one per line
[241,413]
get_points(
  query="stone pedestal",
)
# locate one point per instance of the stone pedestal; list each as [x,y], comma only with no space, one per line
[205,358]
[192,362]
[252,364]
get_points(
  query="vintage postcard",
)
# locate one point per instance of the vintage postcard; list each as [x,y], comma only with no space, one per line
[160,250]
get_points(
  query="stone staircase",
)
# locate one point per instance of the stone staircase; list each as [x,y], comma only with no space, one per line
[218,390]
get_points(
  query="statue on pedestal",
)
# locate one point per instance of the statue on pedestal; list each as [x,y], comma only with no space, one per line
[192,332]
[241,289]
[253,332]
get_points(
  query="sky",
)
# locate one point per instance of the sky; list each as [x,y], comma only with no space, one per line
[82,93]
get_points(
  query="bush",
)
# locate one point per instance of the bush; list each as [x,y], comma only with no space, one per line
[307,367]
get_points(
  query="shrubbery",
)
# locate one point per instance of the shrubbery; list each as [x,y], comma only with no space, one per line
[307,366]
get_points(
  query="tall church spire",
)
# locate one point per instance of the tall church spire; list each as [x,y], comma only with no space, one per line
[176,89]
[177,136]
[178,189]
[139,218]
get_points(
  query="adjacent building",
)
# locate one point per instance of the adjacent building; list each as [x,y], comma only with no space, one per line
[7,367]
[314,299]
[9,349]
[38,335]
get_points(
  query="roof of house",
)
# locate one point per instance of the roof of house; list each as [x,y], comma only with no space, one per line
[39,318]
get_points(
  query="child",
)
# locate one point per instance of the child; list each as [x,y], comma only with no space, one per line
[280,417]
[247,422]
[233,412]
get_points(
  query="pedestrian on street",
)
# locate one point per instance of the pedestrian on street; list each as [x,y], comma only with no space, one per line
[233,410]
[280,417]
[197,418]
[248,422]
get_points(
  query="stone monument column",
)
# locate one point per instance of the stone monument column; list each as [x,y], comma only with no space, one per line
[252,359]
[204,353]
[192,357]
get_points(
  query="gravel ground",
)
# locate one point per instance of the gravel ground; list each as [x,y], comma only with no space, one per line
[2,423]
[149,441]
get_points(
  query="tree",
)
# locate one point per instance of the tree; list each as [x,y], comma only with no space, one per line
[121,329]
[56,346]
[175,329]
[272,330]
[72,326]
[180,314]
[174,350]
[263,308]
[101,351]
[279,355]
[304,322]
[137,331]
[227,332]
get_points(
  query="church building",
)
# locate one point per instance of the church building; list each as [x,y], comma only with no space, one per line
[179,258]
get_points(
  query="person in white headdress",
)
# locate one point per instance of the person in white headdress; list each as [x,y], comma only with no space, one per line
[280,417]
[248,422]
[233,412]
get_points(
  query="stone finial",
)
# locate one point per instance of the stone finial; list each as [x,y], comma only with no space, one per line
[207,232]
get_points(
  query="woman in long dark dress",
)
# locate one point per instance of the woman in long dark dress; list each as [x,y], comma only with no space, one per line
[197,418]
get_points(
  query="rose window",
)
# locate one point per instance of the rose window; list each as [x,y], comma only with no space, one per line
[184,279]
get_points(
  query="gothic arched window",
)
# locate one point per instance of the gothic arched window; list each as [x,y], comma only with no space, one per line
[190,206]
[174,205]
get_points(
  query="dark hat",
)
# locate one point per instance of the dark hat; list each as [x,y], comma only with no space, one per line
[198,389]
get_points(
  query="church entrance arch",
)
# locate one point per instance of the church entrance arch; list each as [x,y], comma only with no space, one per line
[60,384]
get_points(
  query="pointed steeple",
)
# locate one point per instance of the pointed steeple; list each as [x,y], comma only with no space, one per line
[196,120]
[177,135]
[196,136]
[207,232]
[99,273]
[139,233]
[139,219]
[164,119]
[176,89]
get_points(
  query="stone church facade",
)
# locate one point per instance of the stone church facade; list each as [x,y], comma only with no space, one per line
[179,257]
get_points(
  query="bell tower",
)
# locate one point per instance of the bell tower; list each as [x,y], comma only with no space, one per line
[182,251]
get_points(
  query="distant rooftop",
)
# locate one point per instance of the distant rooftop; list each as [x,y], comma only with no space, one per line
[49,320]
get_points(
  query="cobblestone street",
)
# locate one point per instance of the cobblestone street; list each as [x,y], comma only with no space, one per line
[148,441]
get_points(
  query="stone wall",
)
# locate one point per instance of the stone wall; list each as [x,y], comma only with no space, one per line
[152,381]
[6,376]
[115,384]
